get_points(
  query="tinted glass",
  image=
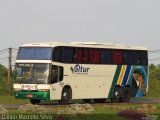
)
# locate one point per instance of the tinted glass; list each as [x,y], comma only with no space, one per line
[69,54]
[34,53]
[106,56]
[141,58]
[32,73]
[95,56]
[58,54]
[128,57]
[117,57]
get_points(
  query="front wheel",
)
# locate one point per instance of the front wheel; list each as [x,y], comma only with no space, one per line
[66,95]
[35,101]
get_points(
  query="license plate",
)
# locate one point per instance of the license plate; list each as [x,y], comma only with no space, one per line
[29,96]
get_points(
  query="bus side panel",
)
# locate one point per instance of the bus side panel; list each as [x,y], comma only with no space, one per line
[136,77]
[95,83]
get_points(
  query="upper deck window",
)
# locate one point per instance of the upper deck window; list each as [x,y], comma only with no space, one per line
[117,57]
[58,54]
[128,57]
[34,53]
[141,58]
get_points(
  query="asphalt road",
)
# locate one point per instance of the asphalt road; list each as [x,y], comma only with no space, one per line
[147,101]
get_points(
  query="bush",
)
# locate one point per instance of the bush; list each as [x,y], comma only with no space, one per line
[131,114]
[3,110]
[80,109]
[75,109]
[36,109]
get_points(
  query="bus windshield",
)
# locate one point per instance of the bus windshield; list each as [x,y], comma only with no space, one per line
[32,73]
[34,53]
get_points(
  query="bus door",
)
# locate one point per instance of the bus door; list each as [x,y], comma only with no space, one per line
[56,78]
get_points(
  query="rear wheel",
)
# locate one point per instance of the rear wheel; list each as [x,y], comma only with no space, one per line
[117,95]
[127,94]
[35,101]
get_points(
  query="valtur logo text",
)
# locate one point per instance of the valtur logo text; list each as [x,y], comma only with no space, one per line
[79,69]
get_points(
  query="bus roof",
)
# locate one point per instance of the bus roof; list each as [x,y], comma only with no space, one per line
[84,44]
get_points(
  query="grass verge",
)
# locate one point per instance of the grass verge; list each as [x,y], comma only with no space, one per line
[12,100]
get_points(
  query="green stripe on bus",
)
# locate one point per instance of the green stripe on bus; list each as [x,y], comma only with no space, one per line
[35,95]
[115,79]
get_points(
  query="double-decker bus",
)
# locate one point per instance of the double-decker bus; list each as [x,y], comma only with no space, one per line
[80,70]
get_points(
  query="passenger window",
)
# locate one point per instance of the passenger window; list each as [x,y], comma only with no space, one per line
[141,58]
[144,58]
[128,57]
[78,55]
[85,56]
[69,54]
[106,56]
[82,55]
[117,57]
[58,54]
[95,56]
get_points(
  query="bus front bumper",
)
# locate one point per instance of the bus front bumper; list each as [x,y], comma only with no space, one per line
[32,95]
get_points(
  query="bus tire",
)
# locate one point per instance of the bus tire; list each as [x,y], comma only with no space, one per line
[35,101]
[127,94]
[66,95]
[117,95]
[100,100]
[86,100]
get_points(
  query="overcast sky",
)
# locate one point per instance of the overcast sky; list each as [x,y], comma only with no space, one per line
[130,22]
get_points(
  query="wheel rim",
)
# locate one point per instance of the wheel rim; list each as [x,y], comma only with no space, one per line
[116,94]
[66,96]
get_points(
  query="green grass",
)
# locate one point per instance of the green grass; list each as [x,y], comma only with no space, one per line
[104,112]
[12,100]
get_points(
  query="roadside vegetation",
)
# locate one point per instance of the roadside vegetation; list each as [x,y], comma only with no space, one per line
[87,112]
[154,81]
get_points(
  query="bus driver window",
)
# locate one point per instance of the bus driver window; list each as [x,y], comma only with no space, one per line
[56,74]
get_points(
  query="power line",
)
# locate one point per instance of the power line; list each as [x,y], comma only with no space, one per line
[154,59]
[3,61]
[3,50]
[153,51]
[3,58]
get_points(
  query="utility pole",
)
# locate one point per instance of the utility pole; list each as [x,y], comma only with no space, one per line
[9,71]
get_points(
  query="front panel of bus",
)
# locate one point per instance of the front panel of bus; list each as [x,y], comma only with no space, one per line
[32,73]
